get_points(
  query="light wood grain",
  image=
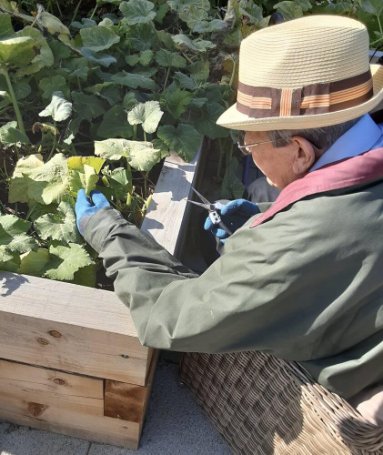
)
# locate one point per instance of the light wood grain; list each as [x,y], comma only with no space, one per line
[92,428]
[38,389]
[128,401]
[169,209]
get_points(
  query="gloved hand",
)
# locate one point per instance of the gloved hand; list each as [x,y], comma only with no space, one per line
[234,214]
[86,207]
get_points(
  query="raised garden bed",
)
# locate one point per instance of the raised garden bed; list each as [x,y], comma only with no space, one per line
[70,359]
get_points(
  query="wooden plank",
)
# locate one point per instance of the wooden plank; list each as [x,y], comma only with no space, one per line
[168,211]
[91,428]
[128,401]
[39,389]
[72,328]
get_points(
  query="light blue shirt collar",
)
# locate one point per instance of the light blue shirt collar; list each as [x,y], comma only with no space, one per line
[363,136]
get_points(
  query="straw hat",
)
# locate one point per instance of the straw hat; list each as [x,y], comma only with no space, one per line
[305,73]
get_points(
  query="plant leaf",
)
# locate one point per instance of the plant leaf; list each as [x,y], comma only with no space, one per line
[148,114]
[10,135]
[140,155]
[6,29]
[17,51]
[114,124]
[143,156]
[98,38]
[66,260]
[77,163]
[44,57]
[137,11]
[59,108]
[175,101]
[183,140]
[60,225]
[34,262]
[289,9]
[133,80]
[191,12]
[50,85]
[101,59]
[13,234]
[170,59]
[196,45]
[86,179]
[119,181]
[52,24]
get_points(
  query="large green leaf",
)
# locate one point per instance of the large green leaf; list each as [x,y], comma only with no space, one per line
[17,51]
[52,24]
[87,107]
[66,260]
[133,80]
[189,11]
[34,262]
[183,140]
[289,9]
[148,114]
[215,25]
[175,101]
[9,134]
[101,59]
[86,179]
[6,29]
[196,45]
[44,57]
[114,124]
[48,183]
[59,108]
[119,181]
[141,155]
[137,11]
[13,235]
[52,84]
[98,38]
[60,225]
[170,59]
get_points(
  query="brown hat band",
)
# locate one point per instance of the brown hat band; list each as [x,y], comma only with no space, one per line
[311,99]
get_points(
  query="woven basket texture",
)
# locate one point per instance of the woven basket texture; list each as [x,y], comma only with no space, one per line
[263,405]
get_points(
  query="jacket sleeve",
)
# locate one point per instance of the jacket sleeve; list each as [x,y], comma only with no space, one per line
[249,298]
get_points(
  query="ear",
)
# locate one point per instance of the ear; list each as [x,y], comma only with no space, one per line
[304,156]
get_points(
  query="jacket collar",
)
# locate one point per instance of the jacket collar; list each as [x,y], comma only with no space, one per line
[351,172]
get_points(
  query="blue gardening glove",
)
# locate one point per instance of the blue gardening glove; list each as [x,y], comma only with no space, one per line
[234,214]
[86,207]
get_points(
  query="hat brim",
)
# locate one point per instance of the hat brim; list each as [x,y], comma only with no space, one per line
[234,119]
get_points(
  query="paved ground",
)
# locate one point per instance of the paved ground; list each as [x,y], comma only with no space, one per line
[175,425]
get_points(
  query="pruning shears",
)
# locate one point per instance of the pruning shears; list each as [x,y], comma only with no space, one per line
[213,209]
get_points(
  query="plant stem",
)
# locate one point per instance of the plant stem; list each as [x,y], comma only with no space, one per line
[76,11]
[19,118]
[232,77]
[93,12]
[53,146]
[166,77]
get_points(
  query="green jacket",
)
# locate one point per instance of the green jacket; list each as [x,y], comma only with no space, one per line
[305,285]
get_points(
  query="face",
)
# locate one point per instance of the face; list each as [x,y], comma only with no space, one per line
[281,165]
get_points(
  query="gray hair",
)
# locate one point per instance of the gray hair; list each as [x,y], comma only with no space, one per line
[321,138]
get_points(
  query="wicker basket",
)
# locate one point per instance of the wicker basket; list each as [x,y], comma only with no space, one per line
[264,405]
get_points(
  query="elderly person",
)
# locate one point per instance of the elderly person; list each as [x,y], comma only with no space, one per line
[303,279]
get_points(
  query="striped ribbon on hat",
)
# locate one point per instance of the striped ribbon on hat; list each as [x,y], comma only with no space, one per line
[311,99]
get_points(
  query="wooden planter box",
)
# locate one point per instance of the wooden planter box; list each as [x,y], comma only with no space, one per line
[70,359]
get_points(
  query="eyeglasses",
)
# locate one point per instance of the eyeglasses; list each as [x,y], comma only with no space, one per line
[244,148]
